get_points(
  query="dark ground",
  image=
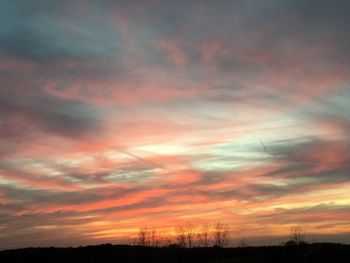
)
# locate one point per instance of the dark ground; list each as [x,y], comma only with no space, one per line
[336,253]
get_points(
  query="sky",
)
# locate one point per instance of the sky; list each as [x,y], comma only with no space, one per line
[121,114]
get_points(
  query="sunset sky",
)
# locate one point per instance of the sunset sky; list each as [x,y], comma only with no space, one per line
[120,114]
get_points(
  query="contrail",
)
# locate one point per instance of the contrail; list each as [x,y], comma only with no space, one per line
[144,160]
[250,133]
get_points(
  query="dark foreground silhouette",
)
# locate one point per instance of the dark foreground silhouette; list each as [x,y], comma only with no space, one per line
[322,252]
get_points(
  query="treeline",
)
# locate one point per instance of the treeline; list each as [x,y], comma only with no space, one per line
[205,235]
[185,236]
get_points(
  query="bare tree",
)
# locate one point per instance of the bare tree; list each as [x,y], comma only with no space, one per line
[154,238]
[297,235]
[203,235]
[220,235]
[180,236]
[189,234]
[143,236]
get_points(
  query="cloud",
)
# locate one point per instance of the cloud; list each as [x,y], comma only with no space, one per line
[116,114]
[324,211]
[25,117]
[35,31]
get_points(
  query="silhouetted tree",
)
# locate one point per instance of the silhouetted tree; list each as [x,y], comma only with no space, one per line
[203,235]
[180,236]
[297,236]
[220,235]
[143,236]
[189,234]
[153,238]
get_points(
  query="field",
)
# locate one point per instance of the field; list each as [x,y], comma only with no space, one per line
[322,252]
